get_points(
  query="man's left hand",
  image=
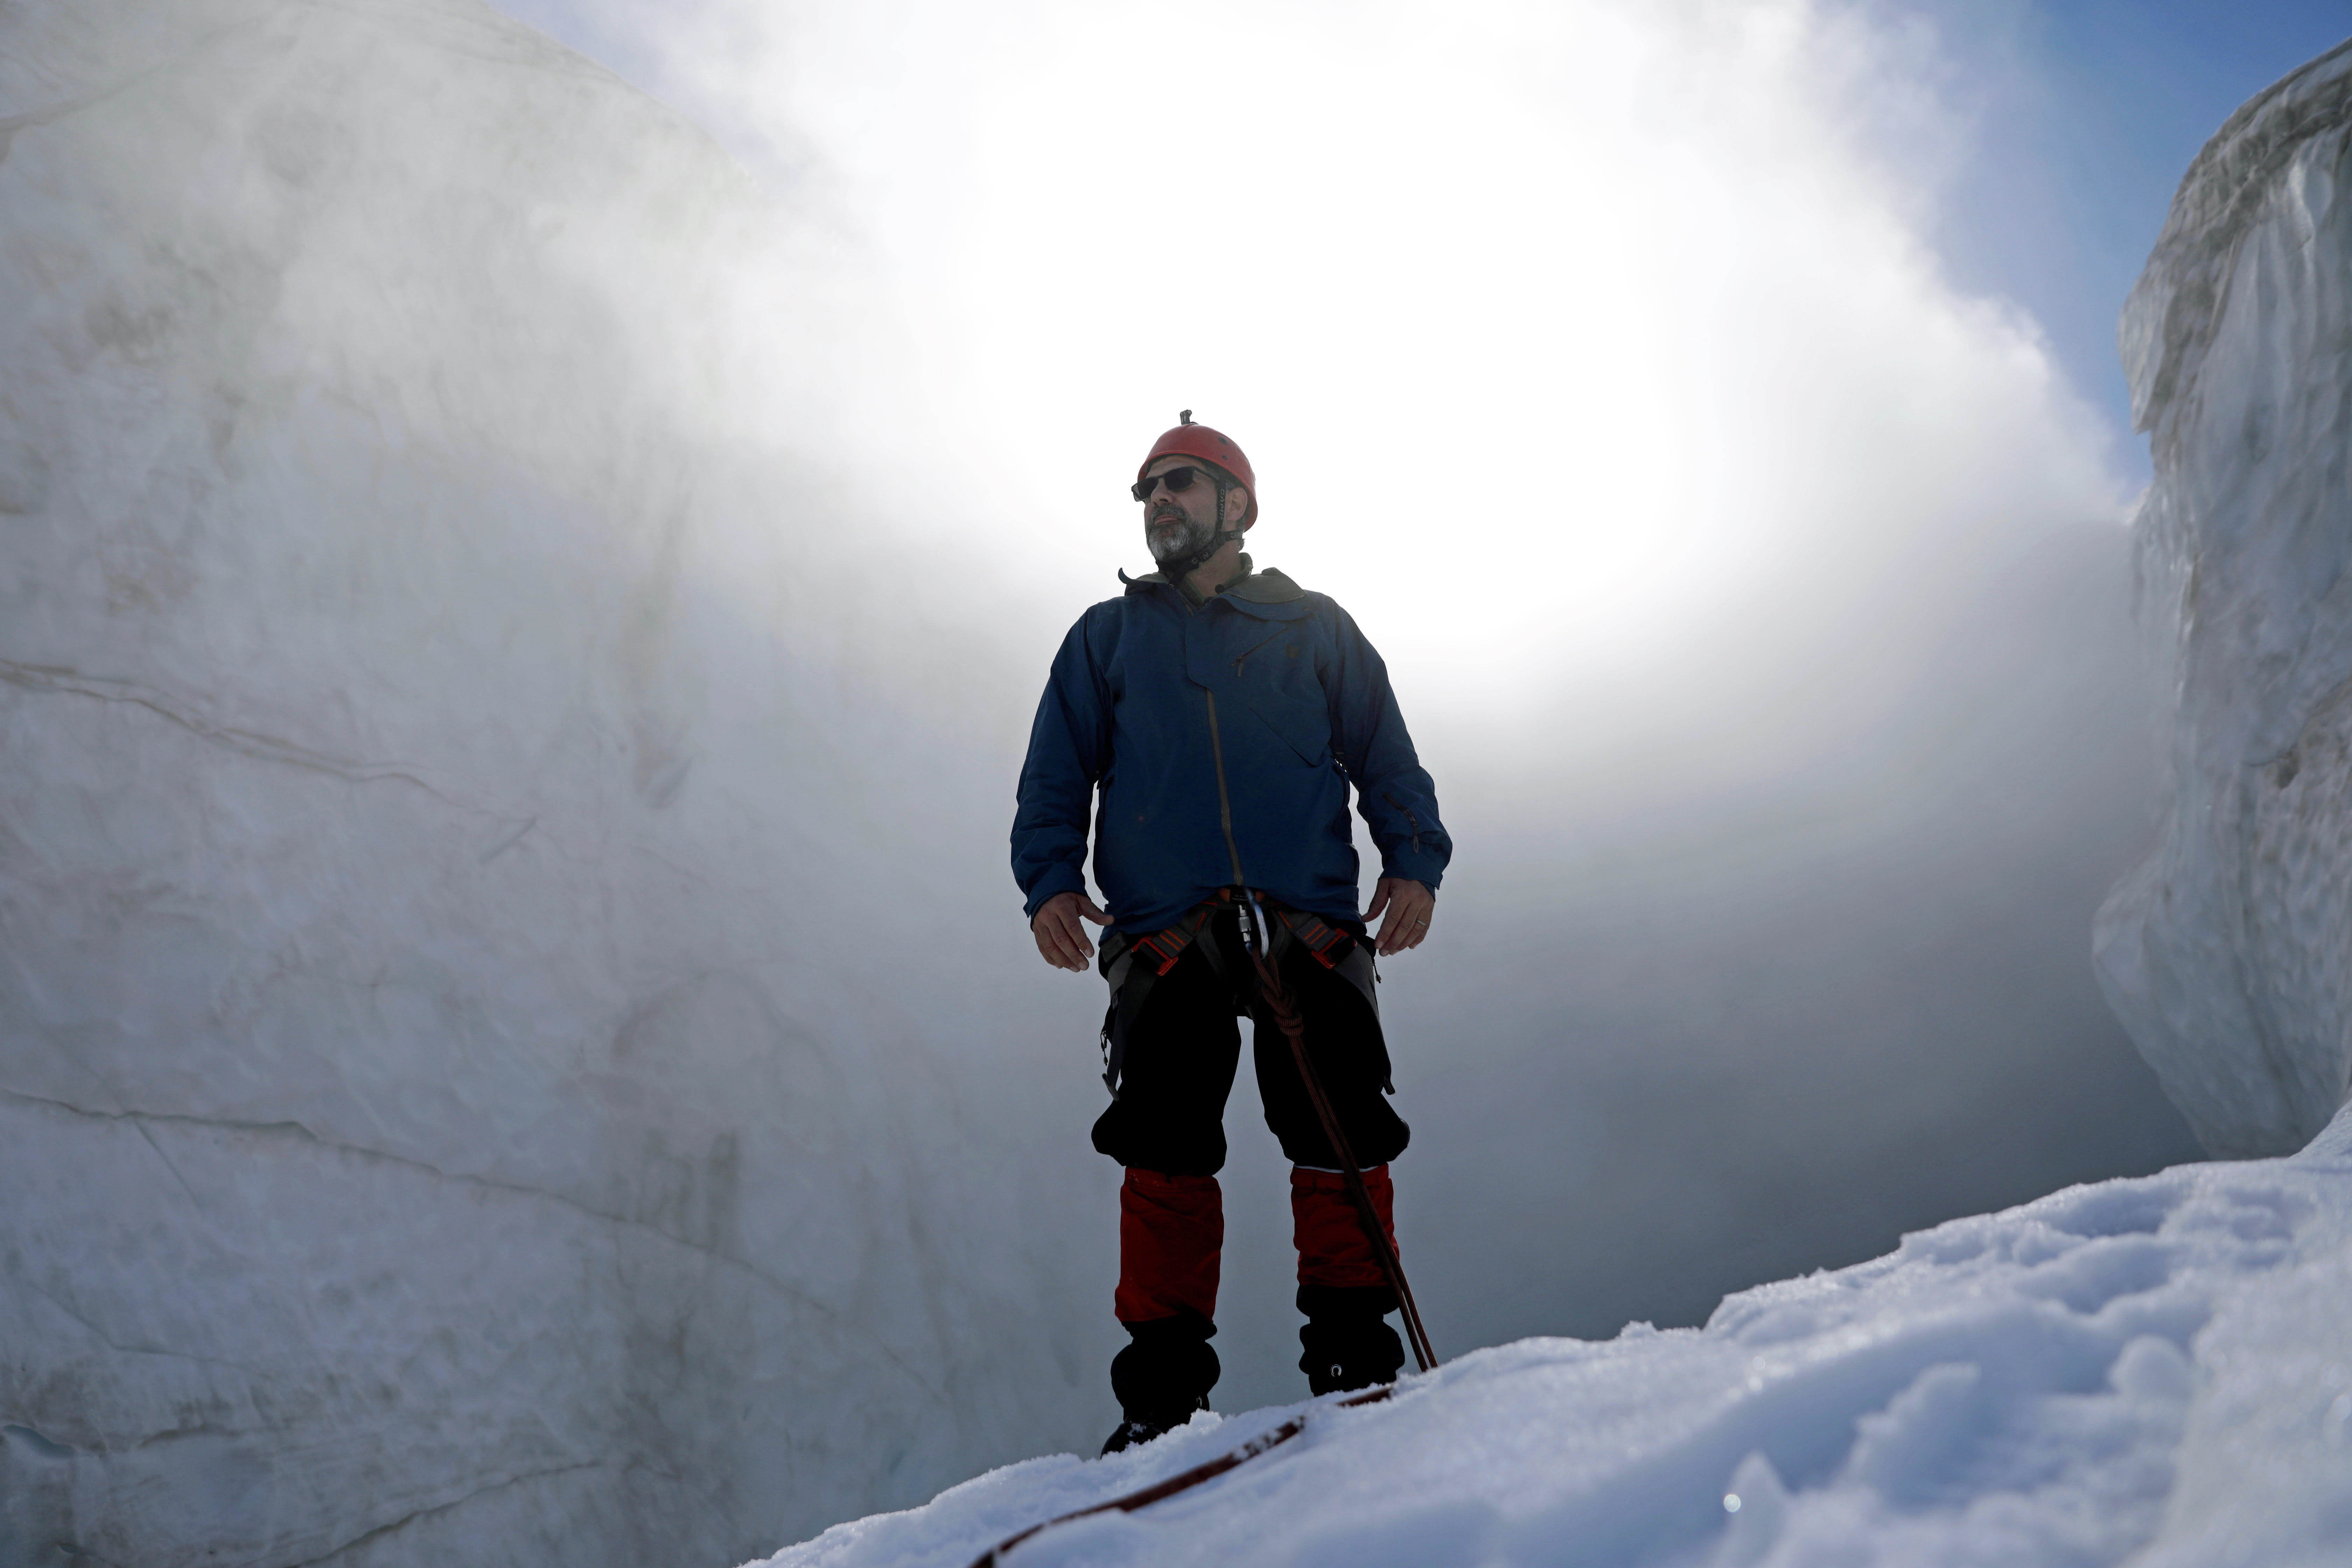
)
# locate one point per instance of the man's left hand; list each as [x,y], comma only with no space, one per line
[1410,906]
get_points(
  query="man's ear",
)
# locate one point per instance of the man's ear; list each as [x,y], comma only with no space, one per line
[1237,504]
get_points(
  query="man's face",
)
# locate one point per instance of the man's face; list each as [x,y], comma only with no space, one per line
[1176,523]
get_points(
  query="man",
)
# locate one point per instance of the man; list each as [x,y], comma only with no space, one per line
[1221,713]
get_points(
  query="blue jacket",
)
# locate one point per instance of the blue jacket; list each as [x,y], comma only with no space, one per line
[1149,701]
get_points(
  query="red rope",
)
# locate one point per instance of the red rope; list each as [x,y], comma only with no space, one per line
[1145,1497]
[1284,1013]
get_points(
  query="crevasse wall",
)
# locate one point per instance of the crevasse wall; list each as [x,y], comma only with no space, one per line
[451,1109]
[2228,951]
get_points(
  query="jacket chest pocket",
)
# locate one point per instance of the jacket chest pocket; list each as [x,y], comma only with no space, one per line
[1276,682]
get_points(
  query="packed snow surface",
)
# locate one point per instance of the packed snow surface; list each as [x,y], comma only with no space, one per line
[2228,952]
[2159,1366]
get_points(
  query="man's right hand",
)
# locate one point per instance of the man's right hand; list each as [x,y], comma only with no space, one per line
[1060,940]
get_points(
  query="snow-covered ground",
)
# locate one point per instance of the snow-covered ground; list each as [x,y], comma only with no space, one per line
[2157,1369]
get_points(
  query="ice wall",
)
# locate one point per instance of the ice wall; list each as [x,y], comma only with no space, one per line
[453,1105]
[2228,952]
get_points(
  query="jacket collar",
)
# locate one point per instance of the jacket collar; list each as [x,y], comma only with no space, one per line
[1268,587]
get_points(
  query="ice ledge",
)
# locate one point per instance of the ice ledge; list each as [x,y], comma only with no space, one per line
[2168,319]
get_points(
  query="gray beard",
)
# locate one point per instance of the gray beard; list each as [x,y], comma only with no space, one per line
[1175,546]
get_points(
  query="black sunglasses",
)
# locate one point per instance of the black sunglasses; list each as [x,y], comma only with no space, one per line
[1176,480]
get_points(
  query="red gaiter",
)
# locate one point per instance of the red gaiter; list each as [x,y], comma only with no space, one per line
[1332,1247]
[1170,1232]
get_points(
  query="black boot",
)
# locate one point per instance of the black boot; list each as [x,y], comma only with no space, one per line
[1162,1377]
[1346,1344]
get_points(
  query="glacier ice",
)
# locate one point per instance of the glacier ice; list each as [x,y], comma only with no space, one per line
[450,1108]
[2154,1369]
[2228,951]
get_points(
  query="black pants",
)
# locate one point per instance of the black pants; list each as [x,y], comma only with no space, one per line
[1182,1049]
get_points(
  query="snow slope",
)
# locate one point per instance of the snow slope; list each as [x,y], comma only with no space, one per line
[2157,1369]
[452,1107]
[2228,951]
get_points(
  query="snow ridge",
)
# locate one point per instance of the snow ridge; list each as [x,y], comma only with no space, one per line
[2157,1366]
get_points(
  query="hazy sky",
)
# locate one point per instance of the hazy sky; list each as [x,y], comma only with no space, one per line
[2076,120]
[1704,408]
[2082,116]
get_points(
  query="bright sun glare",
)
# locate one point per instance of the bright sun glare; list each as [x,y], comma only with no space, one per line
[1581,340]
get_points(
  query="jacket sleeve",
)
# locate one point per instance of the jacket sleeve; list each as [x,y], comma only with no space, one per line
[1069,745]
[1394,793]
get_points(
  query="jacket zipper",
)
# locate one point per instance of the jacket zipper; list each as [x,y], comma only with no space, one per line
[1268,641]
[1225,801]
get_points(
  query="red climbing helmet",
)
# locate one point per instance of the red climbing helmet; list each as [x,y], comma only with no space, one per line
[1186,439]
